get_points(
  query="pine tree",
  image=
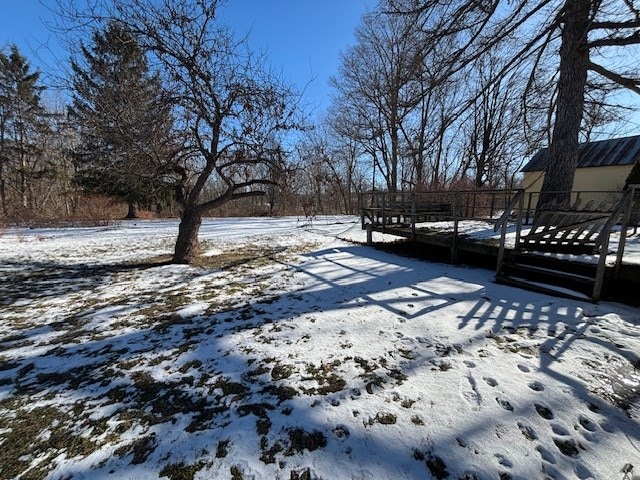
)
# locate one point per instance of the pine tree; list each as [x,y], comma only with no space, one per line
[125,121]
[21,120]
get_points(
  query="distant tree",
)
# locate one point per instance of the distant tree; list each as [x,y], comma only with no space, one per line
[127,147]
[493,132]
[22,120]
[377,84]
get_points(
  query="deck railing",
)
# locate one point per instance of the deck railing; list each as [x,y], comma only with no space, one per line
[405,210]
[383,208]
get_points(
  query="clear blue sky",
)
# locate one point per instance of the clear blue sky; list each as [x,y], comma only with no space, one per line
[303,38]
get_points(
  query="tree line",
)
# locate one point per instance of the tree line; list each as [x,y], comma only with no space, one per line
[169,110]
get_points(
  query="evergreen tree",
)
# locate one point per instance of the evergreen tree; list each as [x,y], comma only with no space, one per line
[21,121]
[125,121]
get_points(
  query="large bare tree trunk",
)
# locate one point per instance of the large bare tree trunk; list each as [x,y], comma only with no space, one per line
[574,63]
[187,246]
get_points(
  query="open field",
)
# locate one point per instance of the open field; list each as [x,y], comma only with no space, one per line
[288,353]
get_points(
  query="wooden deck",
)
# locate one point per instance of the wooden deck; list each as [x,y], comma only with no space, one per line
[523,264]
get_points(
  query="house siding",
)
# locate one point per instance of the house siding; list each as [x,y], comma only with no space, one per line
[608,179]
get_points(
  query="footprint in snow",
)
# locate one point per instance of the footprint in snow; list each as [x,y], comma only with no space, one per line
[504,403]
[504,461]
[536,386]
[470,364]
[523,368]
[472,396]
[587,424]
[582,472]
[560,430]
[528,432]
[546,455]
[492,382]
[543,411]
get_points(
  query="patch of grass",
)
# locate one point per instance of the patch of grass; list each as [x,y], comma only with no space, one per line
[180,471]
[383,418]
[43,432]
[236,473]
[376,381]
[365,364]
[329,382]
[435,464]
[303,475]
[407,353]
[280,372]
[257,409]
[282,392]
[407,403]
[222,450]
[165,322]
[397,375]
[437,467]
[202,420]
[301,440]
[269,454]
[256,372]
[263,425]
[232,388]
[240,257]
[189,365]
[417,420]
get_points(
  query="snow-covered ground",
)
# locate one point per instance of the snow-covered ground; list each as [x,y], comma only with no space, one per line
[293,353]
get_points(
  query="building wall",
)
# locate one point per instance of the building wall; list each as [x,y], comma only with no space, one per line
[586,179]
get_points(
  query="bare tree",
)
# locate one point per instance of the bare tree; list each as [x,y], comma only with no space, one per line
[377,81]
[493,131]
[232,107]
[585,30]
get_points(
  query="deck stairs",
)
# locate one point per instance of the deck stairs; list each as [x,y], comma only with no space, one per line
[564,252]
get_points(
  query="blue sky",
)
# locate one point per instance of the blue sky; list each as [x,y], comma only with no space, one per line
[303,38]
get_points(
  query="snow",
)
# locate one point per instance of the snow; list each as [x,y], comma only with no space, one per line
[312,354]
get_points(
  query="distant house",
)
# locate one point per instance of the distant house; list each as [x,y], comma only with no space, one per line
[602,166]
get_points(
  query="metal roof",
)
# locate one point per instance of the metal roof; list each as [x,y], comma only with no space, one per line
[605,153]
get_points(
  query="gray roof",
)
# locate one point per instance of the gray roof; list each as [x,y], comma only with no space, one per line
[605,153]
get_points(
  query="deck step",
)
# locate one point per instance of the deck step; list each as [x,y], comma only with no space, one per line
[528,270]
[540,287]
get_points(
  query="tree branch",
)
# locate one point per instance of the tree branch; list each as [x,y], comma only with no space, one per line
[615,25]
[629,83]
[632,39]
[232,194]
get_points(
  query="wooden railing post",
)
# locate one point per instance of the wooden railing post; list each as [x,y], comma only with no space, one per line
[454,241]
[384,213]
[628,205]
[413,216]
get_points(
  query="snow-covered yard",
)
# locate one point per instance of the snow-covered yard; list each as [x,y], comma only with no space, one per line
[292,354]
